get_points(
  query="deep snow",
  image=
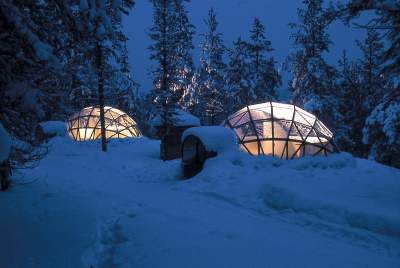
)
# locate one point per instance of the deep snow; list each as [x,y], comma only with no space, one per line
[127,208]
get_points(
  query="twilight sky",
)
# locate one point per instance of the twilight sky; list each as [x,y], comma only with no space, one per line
[235,18]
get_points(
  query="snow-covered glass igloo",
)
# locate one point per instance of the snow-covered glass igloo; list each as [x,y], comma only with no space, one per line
[85,125]
[280,130]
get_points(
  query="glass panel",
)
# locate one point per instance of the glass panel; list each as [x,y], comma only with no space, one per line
[267,130]
[280,130]
[279,147]
[240,119]
[283,112]
[259,114]
[267,147]
[292,148]
[252,147]
[304,117]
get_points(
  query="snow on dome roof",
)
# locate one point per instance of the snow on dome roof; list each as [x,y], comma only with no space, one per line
[181,118]
[278,129]
[85,125]
[5,144]
[214,138]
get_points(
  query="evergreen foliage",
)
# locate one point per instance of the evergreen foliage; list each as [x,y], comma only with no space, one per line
[210,81]
[313,84]
[172,36]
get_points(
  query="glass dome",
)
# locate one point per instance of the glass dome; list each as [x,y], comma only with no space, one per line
[281,130]
[85,125]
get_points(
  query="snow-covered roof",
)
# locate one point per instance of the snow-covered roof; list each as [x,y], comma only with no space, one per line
[214,138]
[57,128]
[5,143]
[181,118]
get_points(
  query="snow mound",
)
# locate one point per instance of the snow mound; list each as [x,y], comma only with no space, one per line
[54,128]
[241,205]
[5,143]
[338,189]
[214,138]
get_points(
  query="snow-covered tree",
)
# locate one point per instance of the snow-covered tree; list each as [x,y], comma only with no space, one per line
[381,67]
[382,129]
[45,56]
[387,20]
[184,59]
[373,81]
[238,76]
[210,82]
[351,107]
[30,60]
[264,76]
[313,78]
[172,36]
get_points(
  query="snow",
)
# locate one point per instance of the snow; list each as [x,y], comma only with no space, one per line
[214,138]
[181,118]
[127,208]
[5,144]
[54,128]
[387,115]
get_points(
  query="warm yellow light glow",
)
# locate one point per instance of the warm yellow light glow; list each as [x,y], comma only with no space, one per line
[281,130]
[85,125]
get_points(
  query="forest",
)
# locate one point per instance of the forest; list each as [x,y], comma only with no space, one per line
[60,56]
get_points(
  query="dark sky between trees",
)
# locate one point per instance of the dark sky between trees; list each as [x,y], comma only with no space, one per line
[235,19]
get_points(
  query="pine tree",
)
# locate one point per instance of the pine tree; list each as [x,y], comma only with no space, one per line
[387,21]
[313,79]
[184,63]
[31,80]
[172,36]
[265,78]
[210,85]
[382,103]
[102,43]
[382,129]
[351,107]
[238,76]
[371,69]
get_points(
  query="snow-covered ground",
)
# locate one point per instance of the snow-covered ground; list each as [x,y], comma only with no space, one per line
[126,208]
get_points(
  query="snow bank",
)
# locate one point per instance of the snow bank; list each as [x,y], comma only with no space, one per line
[54,128]
[5,143]
[337,189]
[214,138]
[320,211]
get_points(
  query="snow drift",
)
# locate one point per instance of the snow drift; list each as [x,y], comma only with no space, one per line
[239,211]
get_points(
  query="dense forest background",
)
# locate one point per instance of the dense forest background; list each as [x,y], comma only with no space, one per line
[52,54]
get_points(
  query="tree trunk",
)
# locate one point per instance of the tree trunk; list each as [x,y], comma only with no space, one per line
[100,69]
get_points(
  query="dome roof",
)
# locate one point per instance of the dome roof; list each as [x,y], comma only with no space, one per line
[85,125]
[281,130]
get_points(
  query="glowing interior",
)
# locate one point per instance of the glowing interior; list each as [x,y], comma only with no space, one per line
[282,130]
[85,125]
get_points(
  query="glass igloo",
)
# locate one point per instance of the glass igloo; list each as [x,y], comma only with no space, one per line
[280,130]
[85,125]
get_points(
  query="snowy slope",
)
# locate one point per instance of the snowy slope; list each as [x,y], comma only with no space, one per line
[126,208]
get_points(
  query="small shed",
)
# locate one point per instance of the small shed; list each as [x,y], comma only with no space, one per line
[170,147]
[201,143]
